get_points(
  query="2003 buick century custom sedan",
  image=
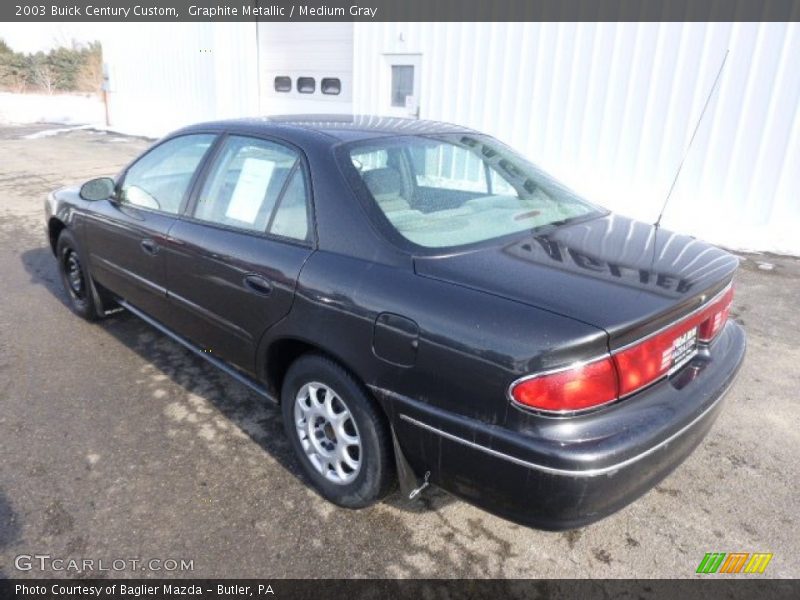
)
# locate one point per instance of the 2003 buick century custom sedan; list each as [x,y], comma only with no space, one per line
[422,302]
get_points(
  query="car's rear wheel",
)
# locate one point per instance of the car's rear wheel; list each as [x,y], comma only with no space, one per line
[339,435]
[75,276]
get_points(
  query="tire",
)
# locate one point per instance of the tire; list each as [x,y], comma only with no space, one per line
[354,474]
[75,277]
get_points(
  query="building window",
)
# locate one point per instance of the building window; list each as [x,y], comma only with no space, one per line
[283,84]
[331,86]
[306,85]
[402,84]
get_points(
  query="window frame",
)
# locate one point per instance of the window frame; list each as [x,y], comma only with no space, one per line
[187,194]
[301,164]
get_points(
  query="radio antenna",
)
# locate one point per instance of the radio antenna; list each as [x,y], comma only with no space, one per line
[689,145]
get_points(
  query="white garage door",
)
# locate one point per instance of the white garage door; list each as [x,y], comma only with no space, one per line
[305,68]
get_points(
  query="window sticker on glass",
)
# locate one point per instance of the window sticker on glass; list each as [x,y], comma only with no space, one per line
[249,192]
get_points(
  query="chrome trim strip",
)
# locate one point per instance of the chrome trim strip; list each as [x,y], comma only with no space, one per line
[566,413]
[571,472]
[222,366]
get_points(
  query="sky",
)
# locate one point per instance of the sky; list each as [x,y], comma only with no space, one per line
[33,37]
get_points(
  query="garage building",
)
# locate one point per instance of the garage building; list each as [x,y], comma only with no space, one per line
[608,108]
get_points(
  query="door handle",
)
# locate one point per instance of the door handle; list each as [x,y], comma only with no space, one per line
[257,284]
[149,246]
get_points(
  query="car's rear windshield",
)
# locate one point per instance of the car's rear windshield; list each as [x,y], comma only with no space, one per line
[452,190]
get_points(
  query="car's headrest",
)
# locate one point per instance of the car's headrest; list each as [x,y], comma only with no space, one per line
[383,182]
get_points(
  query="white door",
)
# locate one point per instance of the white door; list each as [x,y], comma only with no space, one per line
[400,85]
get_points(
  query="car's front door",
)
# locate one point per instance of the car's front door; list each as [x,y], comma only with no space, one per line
[126,233]
[233,260]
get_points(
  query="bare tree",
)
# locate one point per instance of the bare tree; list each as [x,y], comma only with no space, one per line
[44,77]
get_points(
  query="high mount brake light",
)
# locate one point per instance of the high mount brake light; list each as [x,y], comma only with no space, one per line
[592,384]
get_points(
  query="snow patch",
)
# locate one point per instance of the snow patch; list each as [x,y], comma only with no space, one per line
[67,109]
[51,132]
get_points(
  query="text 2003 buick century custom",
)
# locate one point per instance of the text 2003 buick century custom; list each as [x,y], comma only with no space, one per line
[422,302]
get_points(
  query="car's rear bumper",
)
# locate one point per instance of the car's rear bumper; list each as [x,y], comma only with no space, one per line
[572,471]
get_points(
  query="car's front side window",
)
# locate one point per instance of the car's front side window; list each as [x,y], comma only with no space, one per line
[256,185]
[160,179]
[453,189]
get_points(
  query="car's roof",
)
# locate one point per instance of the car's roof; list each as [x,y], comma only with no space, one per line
[336,127]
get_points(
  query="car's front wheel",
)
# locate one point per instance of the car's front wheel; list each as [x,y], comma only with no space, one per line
[338,433]
[75,276]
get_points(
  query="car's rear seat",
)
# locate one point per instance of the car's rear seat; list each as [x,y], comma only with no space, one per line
[479,218]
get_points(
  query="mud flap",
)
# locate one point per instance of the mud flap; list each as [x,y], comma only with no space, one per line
[410,483]
[104,301]
[99,306]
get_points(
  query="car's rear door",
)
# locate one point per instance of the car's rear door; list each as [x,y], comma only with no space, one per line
[234,258]
[126,233]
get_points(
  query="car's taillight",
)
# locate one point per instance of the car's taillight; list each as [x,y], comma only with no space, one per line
[715,317]
[642,364]
[576,388]
[625,371]
[649,360]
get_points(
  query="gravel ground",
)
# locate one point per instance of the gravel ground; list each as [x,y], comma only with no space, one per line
[116,443]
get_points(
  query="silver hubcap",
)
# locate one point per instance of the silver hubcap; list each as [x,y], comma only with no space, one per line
[327,432]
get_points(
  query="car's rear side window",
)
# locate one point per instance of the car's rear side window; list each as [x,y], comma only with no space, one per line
[257,185]
[159,179]
[290,218]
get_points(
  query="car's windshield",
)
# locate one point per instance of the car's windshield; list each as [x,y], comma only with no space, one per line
[457,189]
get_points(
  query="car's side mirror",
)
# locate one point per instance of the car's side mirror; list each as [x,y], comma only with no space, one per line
[100,188]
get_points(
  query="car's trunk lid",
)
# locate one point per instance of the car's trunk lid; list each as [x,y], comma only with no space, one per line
[627,277]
